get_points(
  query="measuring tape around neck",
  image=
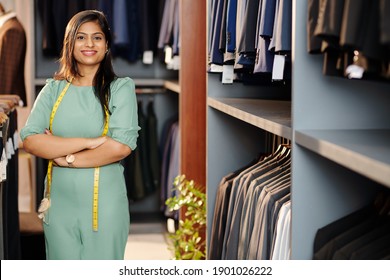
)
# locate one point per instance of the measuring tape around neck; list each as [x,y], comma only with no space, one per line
[95,202]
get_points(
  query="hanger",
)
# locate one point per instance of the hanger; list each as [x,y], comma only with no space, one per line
[286,143]
[3,118]
[11,97]
[267,145]
[382,203]
[2,10]
[385,209]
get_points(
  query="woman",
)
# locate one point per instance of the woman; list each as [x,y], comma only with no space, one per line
[85,117]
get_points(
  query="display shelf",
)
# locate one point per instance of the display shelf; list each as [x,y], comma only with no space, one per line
[271,115]
[366,152]
[172,85]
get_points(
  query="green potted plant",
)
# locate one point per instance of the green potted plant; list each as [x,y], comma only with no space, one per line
[188,241]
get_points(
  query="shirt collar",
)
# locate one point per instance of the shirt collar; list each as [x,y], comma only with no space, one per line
[6,17]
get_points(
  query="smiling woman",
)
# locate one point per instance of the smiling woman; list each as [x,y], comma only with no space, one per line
[89,50]
[86,207]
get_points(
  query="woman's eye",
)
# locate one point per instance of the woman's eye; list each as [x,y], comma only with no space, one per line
[98,38]
[80,37]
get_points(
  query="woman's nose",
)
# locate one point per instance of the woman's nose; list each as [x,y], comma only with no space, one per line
[89,42]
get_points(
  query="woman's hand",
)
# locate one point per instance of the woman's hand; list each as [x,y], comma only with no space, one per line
[93,143]
[61,162]
[47,132]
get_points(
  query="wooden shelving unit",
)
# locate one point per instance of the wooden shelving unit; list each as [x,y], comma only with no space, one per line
[365,151]
[271,115]
[172,85]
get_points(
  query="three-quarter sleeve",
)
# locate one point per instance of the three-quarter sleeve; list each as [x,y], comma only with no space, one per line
[39,117]
[123,124]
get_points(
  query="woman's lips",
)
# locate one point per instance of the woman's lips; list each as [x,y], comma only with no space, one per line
[88,53]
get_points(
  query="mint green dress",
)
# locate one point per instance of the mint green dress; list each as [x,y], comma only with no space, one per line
[68,230]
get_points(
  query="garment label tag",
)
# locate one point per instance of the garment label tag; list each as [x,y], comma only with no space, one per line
[215,68]
[227,74]
[354,71]
[11,146]
[16,140]
[176,62]
[168,54]
[148,57]
[278,67]
[3,167]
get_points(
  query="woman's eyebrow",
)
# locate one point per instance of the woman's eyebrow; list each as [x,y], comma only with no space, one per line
[80,32]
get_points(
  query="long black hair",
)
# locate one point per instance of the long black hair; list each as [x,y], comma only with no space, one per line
[68,65]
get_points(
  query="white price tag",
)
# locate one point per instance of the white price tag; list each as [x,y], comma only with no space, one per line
[3,166]
[16,140]
[168,54]
[227,74]
[176,62]
[148,57]
[9,148]
[278,67]
[354,71]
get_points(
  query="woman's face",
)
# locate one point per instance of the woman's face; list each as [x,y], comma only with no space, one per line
[90,45]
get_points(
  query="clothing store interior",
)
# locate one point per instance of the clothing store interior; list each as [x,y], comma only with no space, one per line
[273,113]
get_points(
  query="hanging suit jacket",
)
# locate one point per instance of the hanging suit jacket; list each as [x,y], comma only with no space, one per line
[12,57]
[265,26]
[330,231]
[384,10]
[149,19]
[247,45]
[377,233]
[313,42]
[54,16]
[165,155]
[152,141]
[262,173]
[374,250]
[215,55]
[329,249]
[220,213]
[231,25]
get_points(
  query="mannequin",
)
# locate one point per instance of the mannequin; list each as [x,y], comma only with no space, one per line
[12,55]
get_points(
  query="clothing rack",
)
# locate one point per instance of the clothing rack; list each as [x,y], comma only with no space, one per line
[251,217]
[9,102]
[153,86]
[272,141]
[148,90]
[9,216]
[15,99]
[2,10]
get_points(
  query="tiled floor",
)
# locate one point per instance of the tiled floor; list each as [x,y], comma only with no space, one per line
[148,241]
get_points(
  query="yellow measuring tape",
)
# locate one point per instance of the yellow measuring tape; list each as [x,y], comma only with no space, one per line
[96,182]
[53,112]
[97,169]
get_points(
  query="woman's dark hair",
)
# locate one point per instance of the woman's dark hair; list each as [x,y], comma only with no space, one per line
[105,74]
